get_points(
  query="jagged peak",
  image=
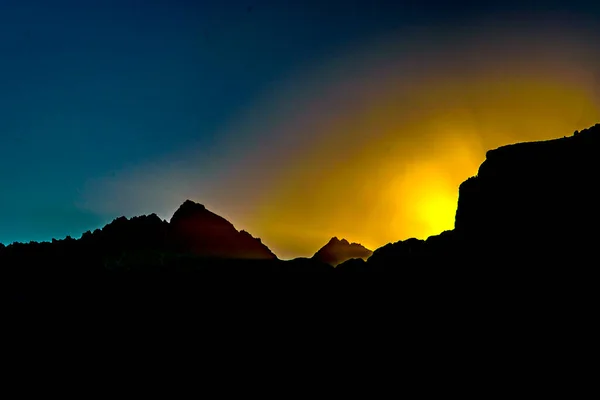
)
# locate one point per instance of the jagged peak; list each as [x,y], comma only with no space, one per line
[203,232]
[191,205]
[336,241]
[138,218]
[339,250]
[187,209]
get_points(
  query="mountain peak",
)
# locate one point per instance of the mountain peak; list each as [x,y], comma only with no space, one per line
[337,251]
[335,240]
[202,232]
[188,207]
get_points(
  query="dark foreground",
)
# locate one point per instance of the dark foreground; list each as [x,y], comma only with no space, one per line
[271,327]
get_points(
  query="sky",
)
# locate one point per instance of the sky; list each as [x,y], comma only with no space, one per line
[296,121]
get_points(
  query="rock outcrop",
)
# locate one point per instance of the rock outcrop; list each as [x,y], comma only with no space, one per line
[534,198]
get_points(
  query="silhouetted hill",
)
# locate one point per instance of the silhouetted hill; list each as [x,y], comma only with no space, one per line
[531,207]
[337,251]
[198,231]
[535,200]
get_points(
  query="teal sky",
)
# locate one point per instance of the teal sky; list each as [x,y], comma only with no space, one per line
[94,89]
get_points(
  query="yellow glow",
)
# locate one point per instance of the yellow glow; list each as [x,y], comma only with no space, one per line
[374,146]
[403,180]
[433,202]
[437,212]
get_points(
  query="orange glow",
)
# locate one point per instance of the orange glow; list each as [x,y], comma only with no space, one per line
[384,174]
[431,201]
[373,145]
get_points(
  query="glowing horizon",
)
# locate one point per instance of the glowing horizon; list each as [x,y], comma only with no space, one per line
[372,146]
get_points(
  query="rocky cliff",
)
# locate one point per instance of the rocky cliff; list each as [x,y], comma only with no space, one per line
[531,204]
[534,196]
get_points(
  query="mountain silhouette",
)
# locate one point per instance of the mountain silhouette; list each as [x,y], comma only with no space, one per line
[535,198]
[531,211]
[337,251]
[531,207]
[198,231]
[194,238]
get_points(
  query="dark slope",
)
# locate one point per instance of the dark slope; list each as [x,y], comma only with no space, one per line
[337,251]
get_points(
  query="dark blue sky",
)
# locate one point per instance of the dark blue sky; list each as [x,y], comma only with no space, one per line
[90,88]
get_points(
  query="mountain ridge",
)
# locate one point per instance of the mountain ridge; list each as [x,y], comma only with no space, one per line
[530,203]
